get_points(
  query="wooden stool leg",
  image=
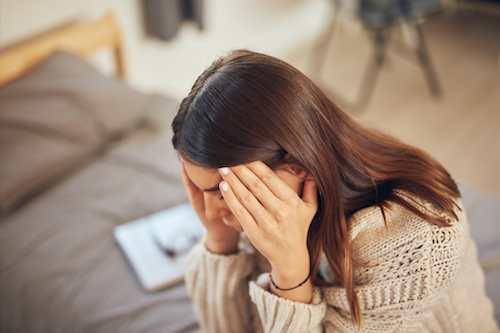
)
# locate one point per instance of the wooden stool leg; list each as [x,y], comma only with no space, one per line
[425,61]
[382,36]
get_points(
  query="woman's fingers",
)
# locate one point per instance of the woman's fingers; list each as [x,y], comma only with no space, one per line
[252,185]
[274,183]
[246,219]
[242,202]
[310,194]
[275,213]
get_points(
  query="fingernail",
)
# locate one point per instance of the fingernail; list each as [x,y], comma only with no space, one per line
[224,186]
[224,170]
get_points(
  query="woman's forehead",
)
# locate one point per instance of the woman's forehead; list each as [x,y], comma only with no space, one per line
[203,178]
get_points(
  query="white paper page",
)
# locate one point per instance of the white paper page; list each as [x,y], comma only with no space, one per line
[148,241]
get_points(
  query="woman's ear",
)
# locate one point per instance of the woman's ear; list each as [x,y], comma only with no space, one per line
[295,167]
[299,171]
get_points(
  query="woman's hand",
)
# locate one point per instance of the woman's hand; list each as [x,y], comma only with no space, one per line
[275,218]
[221,239]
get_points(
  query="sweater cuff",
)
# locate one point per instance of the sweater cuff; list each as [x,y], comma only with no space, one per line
[223,271]
[218,288]
[279,314]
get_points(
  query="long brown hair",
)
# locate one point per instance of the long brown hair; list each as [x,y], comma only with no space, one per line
[250,106]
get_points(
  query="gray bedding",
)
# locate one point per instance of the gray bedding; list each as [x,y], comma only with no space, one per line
[60,268]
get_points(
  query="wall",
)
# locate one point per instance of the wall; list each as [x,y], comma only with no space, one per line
[277,27]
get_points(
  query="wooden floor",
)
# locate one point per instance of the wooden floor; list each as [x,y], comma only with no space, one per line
[462,128]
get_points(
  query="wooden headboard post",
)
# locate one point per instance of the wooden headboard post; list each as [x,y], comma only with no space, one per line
[80,39]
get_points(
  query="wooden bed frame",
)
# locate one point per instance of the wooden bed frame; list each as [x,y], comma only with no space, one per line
[82,39]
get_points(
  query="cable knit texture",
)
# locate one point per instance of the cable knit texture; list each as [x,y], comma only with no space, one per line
[423,278]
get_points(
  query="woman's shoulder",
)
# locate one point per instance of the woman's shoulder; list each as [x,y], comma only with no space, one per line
[404,260]
[398,232]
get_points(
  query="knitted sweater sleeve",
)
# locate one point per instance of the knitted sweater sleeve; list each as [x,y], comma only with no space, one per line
[218,286]
[411,263]
[222,295]
[279,314]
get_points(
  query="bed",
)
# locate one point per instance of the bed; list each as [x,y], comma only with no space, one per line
[81,153]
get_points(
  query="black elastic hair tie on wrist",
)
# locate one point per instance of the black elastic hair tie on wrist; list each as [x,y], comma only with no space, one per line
[274,284]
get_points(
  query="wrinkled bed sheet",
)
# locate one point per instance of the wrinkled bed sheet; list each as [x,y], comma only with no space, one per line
[61,270]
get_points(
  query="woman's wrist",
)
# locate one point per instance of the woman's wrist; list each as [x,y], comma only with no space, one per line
[222,244]
[292,265]
[292,281]
[302,291]
[288,288]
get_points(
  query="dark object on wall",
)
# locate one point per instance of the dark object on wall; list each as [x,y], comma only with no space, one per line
[163,18]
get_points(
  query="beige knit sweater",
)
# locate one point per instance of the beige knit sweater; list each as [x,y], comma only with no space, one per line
[427,279]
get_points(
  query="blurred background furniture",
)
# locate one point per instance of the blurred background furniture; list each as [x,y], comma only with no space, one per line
[380,18]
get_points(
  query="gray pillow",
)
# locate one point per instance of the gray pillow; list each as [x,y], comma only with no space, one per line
[54,119]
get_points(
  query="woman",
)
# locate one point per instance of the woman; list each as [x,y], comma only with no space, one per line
[345,229]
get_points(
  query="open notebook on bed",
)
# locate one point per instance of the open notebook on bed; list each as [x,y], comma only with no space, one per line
[157,245]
